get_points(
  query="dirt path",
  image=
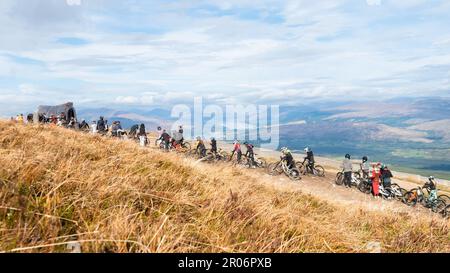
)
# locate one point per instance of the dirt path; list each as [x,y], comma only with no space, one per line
[325,189]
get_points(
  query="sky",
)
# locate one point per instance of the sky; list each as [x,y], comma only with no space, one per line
[111,53]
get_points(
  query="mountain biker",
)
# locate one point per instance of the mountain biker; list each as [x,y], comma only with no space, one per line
[431,185]
[134,131]
[142,135]
[213,145]
[30,118]
[101,126]
[386,176]
[250,154]
[347,169]
[365,167]
[310,158]
[165,138]
[83,125]
[181,132]
[288,158]
[115,128]
[200,147]
[237,150]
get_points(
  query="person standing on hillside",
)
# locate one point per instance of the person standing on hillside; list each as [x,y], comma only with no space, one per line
[365,167]
[310,158]
[165,138]
[347,169]
[236,150]
[431,185]
[250,154]
[213,145]
[101,126]
[386,176]
[142,135]
[376,179]
[84,126]
[181,134]
[200,147]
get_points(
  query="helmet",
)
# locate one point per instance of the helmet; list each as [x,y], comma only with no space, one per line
[213,138]
[431,178]
[348,156]
[246,143]
[199,138]
[307,149]
[365,159]
[284,150]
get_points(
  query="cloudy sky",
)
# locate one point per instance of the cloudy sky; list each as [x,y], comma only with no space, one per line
[146,53]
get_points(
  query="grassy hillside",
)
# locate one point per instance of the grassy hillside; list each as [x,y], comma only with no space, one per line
[58,186]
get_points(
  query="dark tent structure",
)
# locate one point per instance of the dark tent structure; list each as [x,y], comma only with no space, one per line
[66,108]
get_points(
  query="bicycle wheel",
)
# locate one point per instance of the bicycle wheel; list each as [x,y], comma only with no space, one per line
[186,145]
[319,171]
[339,179]
[400,194]
[438,206]
[274,168]
[293,174]
[445,198]
[410,198]
[364,187]
[301,167]
[261,163]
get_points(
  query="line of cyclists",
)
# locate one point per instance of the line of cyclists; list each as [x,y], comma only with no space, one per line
[375,178]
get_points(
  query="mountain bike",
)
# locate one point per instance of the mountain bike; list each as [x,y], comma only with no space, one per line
[355,182]
[219,156]
[317,170]
[418,196]
[257,162]
[280,167]
[393,192]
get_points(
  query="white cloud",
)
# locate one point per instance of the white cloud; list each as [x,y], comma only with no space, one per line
[231,53]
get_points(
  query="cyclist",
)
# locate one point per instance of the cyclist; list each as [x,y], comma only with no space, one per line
[165,138]
[213,145]
[386,176]
[310,158]
[101,126]
[237,150]
[250,154]
[200,147]
[365,167]
[141,133]
[181,132]
[431,185]
[288,158]
[83,125]
[347,168]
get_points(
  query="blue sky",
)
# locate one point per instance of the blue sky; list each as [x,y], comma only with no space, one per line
[149,53]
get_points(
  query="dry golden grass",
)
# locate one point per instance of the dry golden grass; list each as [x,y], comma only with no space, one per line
[58,186]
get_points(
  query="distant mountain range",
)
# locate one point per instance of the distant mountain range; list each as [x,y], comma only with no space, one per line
[413,133]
